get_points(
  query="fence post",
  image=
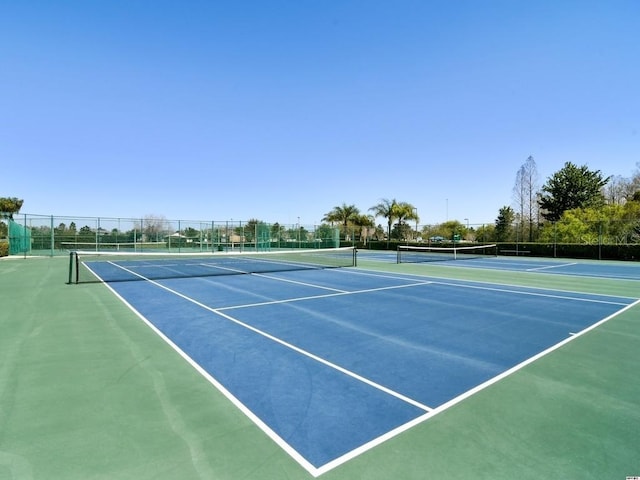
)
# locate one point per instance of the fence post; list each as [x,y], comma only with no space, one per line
[53,238]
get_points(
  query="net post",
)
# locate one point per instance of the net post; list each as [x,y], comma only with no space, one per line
[77,262]
[70,267]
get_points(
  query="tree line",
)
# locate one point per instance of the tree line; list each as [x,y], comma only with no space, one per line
[574,205]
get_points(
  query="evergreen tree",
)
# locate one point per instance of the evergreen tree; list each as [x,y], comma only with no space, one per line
[571,187]
[504,224]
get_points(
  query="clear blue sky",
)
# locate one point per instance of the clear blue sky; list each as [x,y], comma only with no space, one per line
[279,110]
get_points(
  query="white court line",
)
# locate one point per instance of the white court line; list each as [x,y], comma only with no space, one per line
[297,282]
[323,361]
[550,266]
[536,294]
[479,284]
[326,295]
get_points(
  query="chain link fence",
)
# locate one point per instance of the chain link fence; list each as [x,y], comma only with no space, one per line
[52,235]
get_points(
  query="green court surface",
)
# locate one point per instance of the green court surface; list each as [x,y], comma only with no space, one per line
[89,391]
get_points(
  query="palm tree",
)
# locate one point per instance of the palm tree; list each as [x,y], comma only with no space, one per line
[405,211]
[342,214]
[386,209]
[9,206]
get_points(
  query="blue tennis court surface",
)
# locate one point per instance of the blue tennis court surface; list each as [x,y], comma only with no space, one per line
[332,362]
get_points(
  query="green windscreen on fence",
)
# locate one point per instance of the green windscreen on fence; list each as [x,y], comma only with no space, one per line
[263,237]
[19,238]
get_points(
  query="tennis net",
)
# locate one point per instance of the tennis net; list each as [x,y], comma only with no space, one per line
[414,254]
[110,266]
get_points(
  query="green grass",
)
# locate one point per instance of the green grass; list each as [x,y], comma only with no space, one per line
[88,391]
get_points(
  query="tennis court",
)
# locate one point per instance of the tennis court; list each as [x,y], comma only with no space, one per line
[490,261]
[370,371]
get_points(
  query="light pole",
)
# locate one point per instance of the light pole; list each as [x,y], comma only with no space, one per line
[415,209]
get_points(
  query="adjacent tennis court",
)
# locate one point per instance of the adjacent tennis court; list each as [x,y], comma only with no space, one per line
[486,258]
[280,365]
